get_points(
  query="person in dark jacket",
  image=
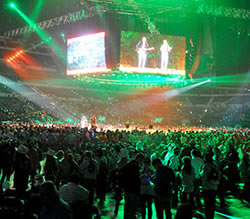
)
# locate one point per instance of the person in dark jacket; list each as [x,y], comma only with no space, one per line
[22,168]
[130,182]
[52,205]
[164,180]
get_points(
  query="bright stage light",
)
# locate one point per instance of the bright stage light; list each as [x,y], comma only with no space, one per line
[12,5]
[63,36]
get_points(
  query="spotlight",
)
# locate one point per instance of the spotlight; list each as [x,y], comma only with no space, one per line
[12,5]
[63,37]
[8,60]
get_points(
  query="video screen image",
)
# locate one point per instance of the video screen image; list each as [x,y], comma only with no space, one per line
[86,54]
[152,53]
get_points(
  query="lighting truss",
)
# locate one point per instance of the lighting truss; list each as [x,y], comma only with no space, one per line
[135,7]
[143,9]
[50,23]
[31,47]
[224,12]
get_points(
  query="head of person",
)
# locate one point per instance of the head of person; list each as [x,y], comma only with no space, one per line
[60,154]
[156,163]
[124,153]
[165,42]
[147,161]
[195,153]
[75,178]
[68,158]
[38,180]
[144,39]
[208,157]
[48,193]
[139,158]
[100,152]
[187,167]
[88,156]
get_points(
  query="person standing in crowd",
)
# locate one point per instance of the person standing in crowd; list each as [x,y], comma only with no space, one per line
[244,168]
[7,153]
[51,168]
[52,205]
[22,168]
[34,156]
[117,178]
[72,192]
[147,189]
[130,182]
[101,180]
[164,180]
[210,181]
[197,164]
[89,169]
[68,166]
[188,178]
[220,163]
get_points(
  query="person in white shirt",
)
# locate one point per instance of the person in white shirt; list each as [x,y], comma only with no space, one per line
[141,49]
[210,182]
[197,163]
[165,50]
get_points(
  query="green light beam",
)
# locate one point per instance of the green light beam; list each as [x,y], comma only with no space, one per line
[43,35]
[63,36]
[37,10]
[35,15]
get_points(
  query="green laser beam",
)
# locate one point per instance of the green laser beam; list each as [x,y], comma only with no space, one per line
[43,35]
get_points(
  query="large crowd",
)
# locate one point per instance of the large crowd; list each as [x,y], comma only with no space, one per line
[68,172]
[210,110]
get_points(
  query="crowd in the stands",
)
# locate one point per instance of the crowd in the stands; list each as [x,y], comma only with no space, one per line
[70,172]
[208,110]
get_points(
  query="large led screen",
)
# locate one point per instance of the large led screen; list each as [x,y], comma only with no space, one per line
[86,54]
[152,53]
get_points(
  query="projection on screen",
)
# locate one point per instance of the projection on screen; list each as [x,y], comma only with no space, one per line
[147,53]
[86,54]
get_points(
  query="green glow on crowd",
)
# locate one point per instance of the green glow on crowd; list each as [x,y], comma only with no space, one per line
[102,118]
[69,120]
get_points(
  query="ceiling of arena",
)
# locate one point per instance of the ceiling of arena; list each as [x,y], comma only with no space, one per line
[143,8]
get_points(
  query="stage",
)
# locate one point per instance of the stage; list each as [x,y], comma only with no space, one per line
[159,71]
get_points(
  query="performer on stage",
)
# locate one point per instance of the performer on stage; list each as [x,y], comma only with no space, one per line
[142,47]
[165,50]
[93,122]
